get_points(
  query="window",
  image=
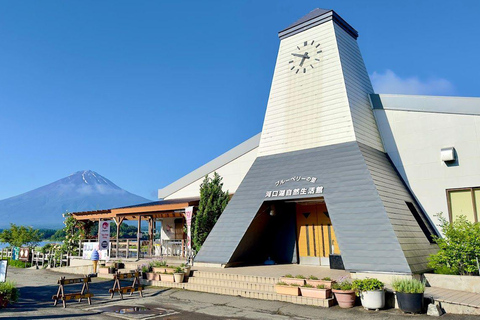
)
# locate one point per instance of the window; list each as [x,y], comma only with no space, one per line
[465,201]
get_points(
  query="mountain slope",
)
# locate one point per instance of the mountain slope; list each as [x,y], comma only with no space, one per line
[81,191]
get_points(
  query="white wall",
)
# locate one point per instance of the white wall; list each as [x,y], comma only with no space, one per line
[413,141]
[232,174]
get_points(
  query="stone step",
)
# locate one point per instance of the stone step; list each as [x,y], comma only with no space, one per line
[254,286]
[326,303]
[235,277]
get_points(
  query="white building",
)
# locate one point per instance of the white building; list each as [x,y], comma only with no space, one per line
[339,171]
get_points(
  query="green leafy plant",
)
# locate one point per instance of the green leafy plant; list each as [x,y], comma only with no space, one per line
[213,201]
[342,284]
[299,276]
[178,270]
[288,276]
[158,263]
[327,279]
[294,284]
[281,283]
[408,286]
[369,284]
[459,248]
[9,290]
[321,286]
[18,263]
[313,278]
[307,286]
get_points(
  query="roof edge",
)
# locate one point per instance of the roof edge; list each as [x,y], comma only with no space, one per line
[317,20]
[210,166]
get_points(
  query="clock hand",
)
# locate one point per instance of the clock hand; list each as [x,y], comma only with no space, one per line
[297,55]
[305,56]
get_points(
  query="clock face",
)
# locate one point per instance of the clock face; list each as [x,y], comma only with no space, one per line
[305,57]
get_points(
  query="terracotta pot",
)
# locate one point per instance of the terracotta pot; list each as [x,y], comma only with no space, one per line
[345,298]
[290,290]
[167,277]
[296,281]
[315,283]
[169,270]
[152,276]
[315,293]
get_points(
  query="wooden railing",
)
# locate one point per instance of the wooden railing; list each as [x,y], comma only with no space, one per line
[51,258]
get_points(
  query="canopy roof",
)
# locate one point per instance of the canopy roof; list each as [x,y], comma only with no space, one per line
[156,209]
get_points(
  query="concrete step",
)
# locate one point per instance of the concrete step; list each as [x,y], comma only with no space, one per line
[243,293]
[235,277]
[253,286]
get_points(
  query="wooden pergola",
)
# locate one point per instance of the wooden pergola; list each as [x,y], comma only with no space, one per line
[147,211]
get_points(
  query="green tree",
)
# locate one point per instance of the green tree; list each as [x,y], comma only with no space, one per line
[213,201]
[459,249]
[18,236]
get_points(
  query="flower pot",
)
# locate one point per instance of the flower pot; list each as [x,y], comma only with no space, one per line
[373,299]
[345,298]
[296,281]
[410,302]
[3,301]
[179,277]
[290,290]
[103,270]
[167,277]
[326,283]
[158,269]
[187,271]
[315,293]
[169,270]
[152,276]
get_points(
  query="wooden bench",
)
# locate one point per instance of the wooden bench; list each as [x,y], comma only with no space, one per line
[132,288]
[84,293]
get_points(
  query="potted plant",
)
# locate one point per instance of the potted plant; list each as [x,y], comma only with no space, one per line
[409,293]
[167,277]
[119,264]
[111,270]
[371,292]
[8,293]
[344,293]
[299,280]
[144,268]
[319,292]
[314,281]
[186,268]
[158,266]
[285,288]
[179,274]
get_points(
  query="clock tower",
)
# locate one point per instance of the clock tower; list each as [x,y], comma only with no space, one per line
[320,88]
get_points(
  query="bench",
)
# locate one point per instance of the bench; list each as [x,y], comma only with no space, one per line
[132,288]
[84,293]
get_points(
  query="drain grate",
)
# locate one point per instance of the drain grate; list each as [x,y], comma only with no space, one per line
[137,312]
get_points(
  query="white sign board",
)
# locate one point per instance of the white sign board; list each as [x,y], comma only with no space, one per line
[88,249]
[188,218]
[3,270]
[103,234]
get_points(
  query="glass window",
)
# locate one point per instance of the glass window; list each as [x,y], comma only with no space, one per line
[464,202]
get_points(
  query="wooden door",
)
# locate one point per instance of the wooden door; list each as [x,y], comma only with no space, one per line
[315,236]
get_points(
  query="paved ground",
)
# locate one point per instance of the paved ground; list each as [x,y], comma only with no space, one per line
[38,286]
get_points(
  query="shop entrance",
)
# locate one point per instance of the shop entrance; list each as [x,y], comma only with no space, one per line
[315,236]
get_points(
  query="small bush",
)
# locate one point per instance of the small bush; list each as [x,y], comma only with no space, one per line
[459,248]
[288,276]
[178,270]
[321,286]
[18,264]
[299,276]
[367,285]
[158,263]
[307,286]
[281,283]
[408,286]
[327,279]
[342,284]
[313,278]
[10,291]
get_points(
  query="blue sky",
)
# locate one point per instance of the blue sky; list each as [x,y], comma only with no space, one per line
[143,92]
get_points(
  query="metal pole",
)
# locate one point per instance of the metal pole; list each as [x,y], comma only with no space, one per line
[138,236]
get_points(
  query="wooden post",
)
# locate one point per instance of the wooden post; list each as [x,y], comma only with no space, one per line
[138,236]
[118,222]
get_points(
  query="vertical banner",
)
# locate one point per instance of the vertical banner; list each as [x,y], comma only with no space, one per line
[103,235]
[188,218]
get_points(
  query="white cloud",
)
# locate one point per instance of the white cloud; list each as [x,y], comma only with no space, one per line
[389,82]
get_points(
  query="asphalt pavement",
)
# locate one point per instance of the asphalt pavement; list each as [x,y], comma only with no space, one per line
[38,286]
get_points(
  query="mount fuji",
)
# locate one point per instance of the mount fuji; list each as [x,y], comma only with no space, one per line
[80,191]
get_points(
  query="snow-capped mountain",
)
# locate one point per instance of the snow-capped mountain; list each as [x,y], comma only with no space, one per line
[81,191]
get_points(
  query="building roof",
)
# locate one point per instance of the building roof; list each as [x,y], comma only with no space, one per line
[431,104]
[211,166]
[315,18]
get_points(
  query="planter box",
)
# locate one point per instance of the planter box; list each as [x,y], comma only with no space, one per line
[169,270]
[167,277]
[453,282]
[158,269]
[290,290]
[152,276]
[326,283]
[103,270]
[315,293]
[296,281]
